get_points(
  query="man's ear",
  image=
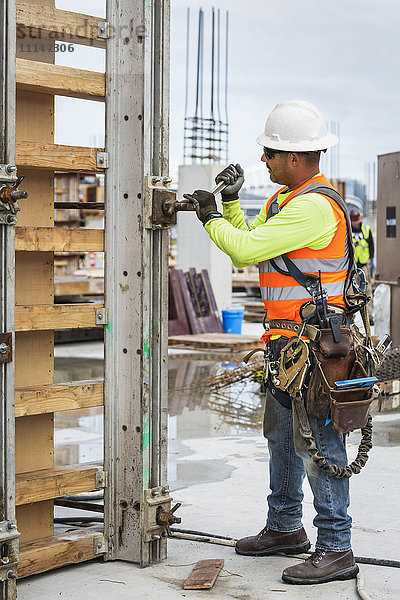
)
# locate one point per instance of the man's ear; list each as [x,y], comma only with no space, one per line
[294,158]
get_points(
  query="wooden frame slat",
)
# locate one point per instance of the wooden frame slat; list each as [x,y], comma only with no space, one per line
[62,25]
[59,239]
[42,317]
[46,484]
[58,397]
[58,551]
[45,78]
[57,157]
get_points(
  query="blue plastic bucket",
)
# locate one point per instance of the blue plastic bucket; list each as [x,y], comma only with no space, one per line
[232,320]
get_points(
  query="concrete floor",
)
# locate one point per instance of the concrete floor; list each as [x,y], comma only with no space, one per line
[233,504]
[222,482]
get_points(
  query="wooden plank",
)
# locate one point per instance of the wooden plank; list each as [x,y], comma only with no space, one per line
[42,515]
[245,280]
[38,345]
[233,341]
[37,210]
[57,551]
[254,306]
[59,239]
[34,282]
[62,25]
[47,484]
[45,78]
[65,285]
[34,443]
[204,574]
[58,316]
[56,157]
[58,397]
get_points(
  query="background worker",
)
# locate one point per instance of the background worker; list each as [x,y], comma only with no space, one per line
[310,229]
[364,250]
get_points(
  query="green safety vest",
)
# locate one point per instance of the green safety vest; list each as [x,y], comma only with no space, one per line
[361,254]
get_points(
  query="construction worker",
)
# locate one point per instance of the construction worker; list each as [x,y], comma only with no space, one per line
[310,229]
[364,249]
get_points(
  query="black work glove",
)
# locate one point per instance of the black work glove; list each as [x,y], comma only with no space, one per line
[206,207]
[233,176]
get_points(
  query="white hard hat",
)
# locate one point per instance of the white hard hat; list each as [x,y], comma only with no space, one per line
[296,126]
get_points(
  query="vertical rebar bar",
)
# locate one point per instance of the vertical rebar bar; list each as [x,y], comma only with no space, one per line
[187,79]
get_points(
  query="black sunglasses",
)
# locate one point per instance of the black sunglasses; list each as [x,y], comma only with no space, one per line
[269,154]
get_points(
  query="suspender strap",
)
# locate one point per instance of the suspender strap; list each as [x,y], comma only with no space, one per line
[307,280]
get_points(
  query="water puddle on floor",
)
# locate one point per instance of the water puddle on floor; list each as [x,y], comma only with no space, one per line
[194,412]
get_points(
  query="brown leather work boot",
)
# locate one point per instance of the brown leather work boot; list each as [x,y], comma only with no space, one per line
[269,541]
[322,567]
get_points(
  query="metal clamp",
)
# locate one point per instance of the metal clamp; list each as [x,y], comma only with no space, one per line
[6,353]
[102,160]
[100,545]
[101,478]
[157,513]
[10,194]
[9,560]
[103,30]
[101,316]
[8,173]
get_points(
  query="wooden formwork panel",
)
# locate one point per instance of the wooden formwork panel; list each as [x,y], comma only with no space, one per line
[58,239]
[46,484]
[37,397]
[58,551]
[34,351]
[56,316]
[67,26]
[63,81]
[37,209]
[35,278]
[58,397]
[42,515]
[56,157]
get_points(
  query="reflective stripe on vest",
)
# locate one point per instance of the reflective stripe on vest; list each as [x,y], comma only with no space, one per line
[361,252]
[282,295]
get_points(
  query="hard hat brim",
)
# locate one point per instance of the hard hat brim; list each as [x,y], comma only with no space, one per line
[328,141]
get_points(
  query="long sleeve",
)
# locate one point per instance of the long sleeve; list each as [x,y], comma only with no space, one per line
[306,221]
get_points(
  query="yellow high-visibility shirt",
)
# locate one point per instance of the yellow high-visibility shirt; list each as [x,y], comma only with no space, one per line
[307,221]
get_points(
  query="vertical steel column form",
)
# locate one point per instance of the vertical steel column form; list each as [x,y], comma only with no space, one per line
[136,275]
[157,245]
[7,282]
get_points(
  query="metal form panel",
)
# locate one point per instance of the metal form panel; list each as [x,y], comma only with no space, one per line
[136,274]
[388,233]
[388,218]
[8,532]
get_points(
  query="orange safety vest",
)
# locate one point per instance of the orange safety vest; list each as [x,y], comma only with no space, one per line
[282,295]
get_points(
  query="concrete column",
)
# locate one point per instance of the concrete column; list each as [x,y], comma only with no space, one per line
[194,247]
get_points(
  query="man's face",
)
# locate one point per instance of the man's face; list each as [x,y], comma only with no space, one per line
[277,164]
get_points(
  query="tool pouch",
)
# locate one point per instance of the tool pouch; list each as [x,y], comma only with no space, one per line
[335,362]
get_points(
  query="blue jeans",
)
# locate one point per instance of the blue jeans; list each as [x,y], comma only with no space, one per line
[289,463]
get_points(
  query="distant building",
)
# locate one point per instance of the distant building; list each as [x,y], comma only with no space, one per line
[356,188]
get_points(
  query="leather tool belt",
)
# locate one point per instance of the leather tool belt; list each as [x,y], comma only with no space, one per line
[336,362]
[328,361]
[308,331]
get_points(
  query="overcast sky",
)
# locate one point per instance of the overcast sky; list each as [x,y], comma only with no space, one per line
[342,56]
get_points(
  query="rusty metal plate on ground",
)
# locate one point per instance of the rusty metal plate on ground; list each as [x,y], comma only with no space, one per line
[5,347]
[204,574]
